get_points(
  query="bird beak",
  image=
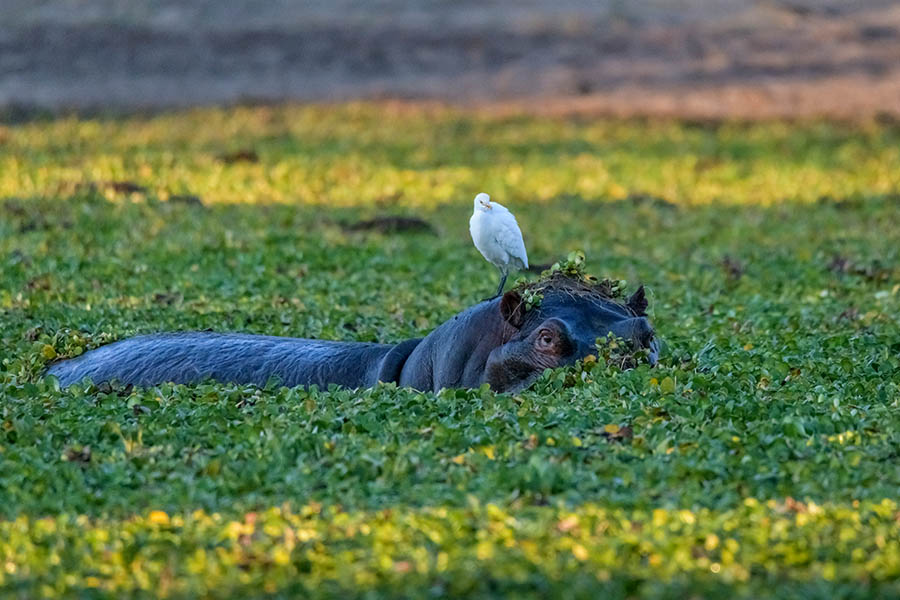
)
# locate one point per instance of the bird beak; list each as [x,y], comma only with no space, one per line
[486,205]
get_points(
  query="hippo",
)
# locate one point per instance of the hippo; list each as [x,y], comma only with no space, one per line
[502,342]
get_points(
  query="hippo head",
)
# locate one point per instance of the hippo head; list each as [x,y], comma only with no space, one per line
[563,329]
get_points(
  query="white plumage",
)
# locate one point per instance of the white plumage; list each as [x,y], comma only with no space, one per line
[497,236]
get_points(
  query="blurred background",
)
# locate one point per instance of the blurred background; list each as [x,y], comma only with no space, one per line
[690,58]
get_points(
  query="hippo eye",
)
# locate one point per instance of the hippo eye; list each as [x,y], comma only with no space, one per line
[545,339]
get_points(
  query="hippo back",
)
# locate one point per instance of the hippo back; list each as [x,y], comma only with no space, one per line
[191,357]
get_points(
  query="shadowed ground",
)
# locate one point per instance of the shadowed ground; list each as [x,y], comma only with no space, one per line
[715,58]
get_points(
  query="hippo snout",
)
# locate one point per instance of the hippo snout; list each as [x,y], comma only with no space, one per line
[640,333]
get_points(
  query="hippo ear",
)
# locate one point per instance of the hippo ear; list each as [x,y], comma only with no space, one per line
[512,307]
[638,302]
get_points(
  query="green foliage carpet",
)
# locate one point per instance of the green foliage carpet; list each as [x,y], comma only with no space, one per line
[760,458]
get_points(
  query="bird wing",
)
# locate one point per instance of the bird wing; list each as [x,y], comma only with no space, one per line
[508,236]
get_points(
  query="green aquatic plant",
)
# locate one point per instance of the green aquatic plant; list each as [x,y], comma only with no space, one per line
[758,458]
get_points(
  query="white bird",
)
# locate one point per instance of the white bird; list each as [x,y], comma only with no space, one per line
[498,237]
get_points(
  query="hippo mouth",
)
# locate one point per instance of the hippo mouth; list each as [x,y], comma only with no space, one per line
[629,353]
[625,360]
[524,384]
[510,370]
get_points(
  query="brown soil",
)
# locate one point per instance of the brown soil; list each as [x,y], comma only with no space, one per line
[704,59]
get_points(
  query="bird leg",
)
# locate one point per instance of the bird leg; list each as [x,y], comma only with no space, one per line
[504,274]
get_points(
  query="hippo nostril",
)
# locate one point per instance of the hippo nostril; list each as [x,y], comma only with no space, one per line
[642,332]
[636,330]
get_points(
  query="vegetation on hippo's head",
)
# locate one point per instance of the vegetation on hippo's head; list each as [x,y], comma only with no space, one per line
[573,266]
[758,458]
[571,277]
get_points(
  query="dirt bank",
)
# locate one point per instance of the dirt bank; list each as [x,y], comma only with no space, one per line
[716,58]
